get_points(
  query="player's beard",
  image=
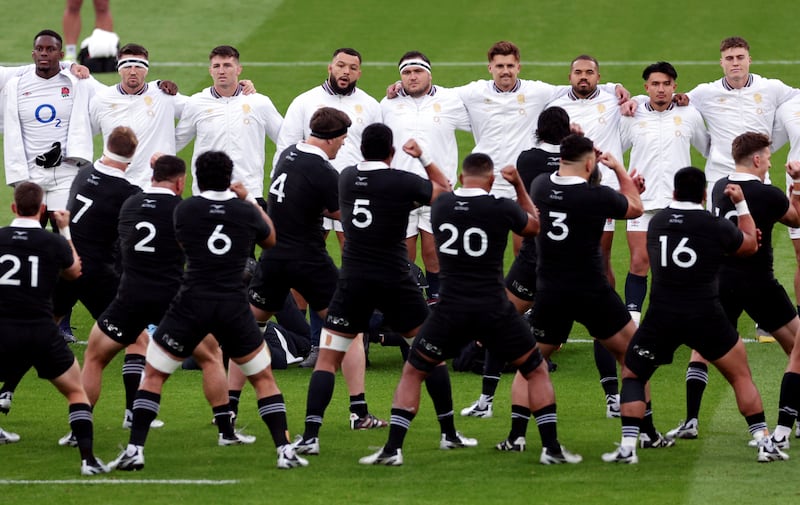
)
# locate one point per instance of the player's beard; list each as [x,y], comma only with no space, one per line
[341,91]
[596,176]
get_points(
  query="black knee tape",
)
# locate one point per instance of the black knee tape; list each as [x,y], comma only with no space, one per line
[420,363]
[532,363]
[632,390]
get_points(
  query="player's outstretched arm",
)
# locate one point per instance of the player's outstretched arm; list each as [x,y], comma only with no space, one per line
[792,216]
[242,193]
[435,175]
[511,175]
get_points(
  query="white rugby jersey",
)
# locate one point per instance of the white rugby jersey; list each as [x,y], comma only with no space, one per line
[236,125]
[787,128]
[660,146]
[729,112]
[431,120]
[598,115]
[150,113]
[362,109]
[39,112]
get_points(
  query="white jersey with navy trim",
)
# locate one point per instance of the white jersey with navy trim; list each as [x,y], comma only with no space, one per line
[729,112]
[362,109]
[431,120]
[660,144]
[151,114]
[237,125]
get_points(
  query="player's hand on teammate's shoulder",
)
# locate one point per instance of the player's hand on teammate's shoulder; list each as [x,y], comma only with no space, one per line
[681,99]
[248,88]
[394,89]
[793,169]
[623,95]
[80,71]
[628,108]
[168,87]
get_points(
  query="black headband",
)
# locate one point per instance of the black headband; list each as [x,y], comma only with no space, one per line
[329,135]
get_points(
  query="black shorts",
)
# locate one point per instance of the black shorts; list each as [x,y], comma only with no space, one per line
[355,300]
[189,319]
[602,313]
[521,279]
[315,280]
[125,319]
[765,301]
[95,289]
[502,331]
[706,330]
[37,344]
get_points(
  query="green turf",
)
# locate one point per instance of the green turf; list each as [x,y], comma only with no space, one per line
[716,467]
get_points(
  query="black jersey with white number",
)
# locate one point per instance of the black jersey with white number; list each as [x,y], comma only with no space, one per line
[686,245]
[94,202]
[531,164]
[767,205]
[375,201]
[572,215]
[303,186]
[217,232]
[471,228]
[152,260]
[30,262]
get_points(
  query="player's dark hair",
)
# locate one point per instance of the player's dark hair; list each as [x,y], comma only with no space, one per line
[376,142]
[415,55]
[477,164]
[732,42]
[661,67]
[574,147]
[49,33]
[503,48]
[213,171]
[747,144]
[28,198]
[132,49]
[586,57]
[122,141]
[327,121]
[225,52]
[690,185]
[553,125]
[347,50]
[167,167]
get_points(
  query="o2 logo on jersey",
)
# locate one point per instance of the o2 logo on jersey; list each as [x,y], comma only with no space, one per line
[46,114]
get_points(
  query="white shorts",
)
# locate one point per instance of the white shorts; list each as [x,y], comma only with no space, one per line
[610,225]
[55,182]
[642,222]
[419,220]
[332,224]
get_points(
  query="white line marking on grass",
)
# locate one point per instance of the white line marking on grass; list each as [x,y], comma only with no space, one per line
[179,482]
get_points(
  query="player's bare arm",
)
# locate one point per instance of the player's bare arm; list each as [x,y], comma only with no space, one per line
[792,216]
[435,175]
[627,187]
[61,218]
[745,221]
[511,175]
[244,194]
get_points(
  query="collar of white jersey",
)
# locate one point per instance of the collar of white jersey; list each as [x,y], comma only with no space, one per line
[675,204]
[109,171]
[572,96]
[727,85]
[366,166]
[308,148]
[470,192]
[548,147]
[140,92]
[516,87]
[218,196]
[651,109]
[157,190]
[327,87]
[566,180]
[216,94]
[743,177]
[430,92]
[26,222]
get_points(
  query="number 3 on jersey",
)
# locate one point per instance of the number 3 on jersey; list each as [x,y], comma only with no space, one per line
[682,256]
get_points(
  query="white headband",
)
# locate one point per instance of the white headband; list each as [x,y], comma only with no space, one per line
[415,63]
[116,157]
[133,62]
